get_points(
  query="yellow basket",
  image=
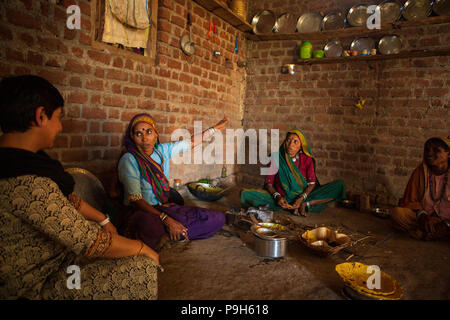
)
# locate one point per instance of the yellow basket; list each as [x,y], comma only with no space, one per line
[239,7]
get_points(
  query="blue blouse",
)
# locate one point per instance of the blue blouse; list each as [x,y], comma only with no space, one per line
[135,186]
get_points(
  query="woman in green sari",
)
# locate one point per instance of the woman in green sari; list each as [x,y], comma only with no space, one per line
[294,187]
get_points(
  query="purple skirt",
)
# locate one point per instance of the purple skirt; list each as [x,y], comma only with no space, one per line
[146,226]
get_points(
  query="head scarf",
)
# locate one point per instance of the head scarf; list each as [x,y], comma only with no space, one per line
[290,176]
[305,145]
[148,168]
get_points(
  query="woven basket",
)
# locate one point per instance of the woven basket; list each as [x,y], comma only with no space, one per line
[239,7]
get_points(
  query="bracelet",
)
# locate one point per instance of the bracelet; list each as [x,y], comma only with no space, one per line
[104,222]
[308,205]
[275,195]
[163,216]
[142,247]
[304,196]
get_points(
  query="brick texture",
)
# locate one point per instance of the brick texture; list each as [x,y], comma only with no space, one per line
[374,150]
[103,91]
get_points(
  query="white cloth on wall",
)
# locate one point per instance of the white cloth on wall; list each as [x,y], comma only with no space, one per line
[127,22]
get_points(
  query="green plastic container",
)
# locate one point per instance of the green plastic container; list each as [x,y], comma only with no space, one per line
[306,50]
[318,54]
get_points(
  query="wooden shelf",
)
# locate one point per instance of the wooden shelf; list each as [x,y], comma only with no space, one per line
[350,31]
[403,55]
[220,9]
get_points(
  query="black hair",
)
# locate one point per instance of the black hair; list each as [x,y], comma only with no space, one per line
[20,96]
[438,142]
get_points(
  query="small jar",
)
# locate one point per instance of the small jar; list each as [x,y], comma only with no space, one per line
[177,184]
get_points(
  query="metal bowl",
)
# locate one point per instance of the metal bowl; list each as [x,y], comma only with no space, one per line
[357,15]
[381,212]
[333,21]
[416,9]
[286,23]
[333,49]
[391,11]
[391,44]
[309,22]
[264,22]
[205,191]
[441,7]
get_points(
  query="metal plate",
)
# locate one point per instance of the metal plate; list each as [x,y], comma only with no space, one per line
[391,11]
[360,44]
[263,22]
[333,21]
[286,23]
[416,9]
[266,233]
[357,16]
[333,49]
[390,45]
[441,7]
[309,22]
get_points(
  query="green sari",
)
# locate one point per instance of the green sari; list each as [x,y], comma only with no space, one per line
[293,183]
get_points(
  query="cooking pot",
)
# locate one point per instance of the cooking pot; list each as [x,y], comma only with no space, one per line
[272,248]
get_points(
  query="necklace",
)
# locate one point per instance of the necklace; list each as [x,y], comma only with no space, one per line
[430,182]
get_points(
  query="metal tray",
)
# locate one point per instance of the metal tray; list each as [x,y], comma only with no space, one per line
[333,21]
[333,49]
[286,23]
[390,45]
[263,22]
[360,44]
[309,22]
[416,9]
[441,7]
[357,15]
[391,11]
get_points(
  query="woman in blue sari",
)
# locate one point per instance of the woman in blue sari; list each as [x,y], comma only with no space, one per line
[155,209]
[294,186]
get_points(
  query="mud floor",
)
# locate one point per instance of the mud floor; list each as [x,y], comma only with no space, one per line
[226,267]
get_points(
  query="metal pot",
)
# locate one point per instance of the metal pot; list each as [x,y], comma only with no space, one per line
[273,248]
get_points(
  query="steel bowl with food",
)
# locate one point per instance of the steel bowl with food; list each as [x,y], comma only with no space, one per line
[205,191]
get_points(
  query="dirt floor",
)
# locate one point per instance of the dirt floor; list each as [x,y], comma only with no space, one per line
[226,267]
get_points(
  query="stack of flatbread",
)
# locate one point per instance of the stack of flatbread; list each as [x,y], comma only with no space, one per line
[356,276]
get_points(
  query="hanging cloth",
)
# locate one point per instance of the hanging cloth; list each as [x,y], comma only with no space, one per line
[127,22]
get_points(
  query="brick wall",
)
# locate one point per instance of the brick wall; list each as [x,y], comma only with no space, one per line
[103,91]
[375,149]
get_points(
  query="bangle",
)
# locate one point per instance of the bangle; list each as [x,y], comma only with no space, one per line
[104,222]
[163,216]
[308,205]
[275,195]
[304,196]
[142,247]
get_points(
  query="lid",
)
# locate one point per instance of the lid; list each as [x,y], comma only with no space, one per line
[357,16]
[309,22]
